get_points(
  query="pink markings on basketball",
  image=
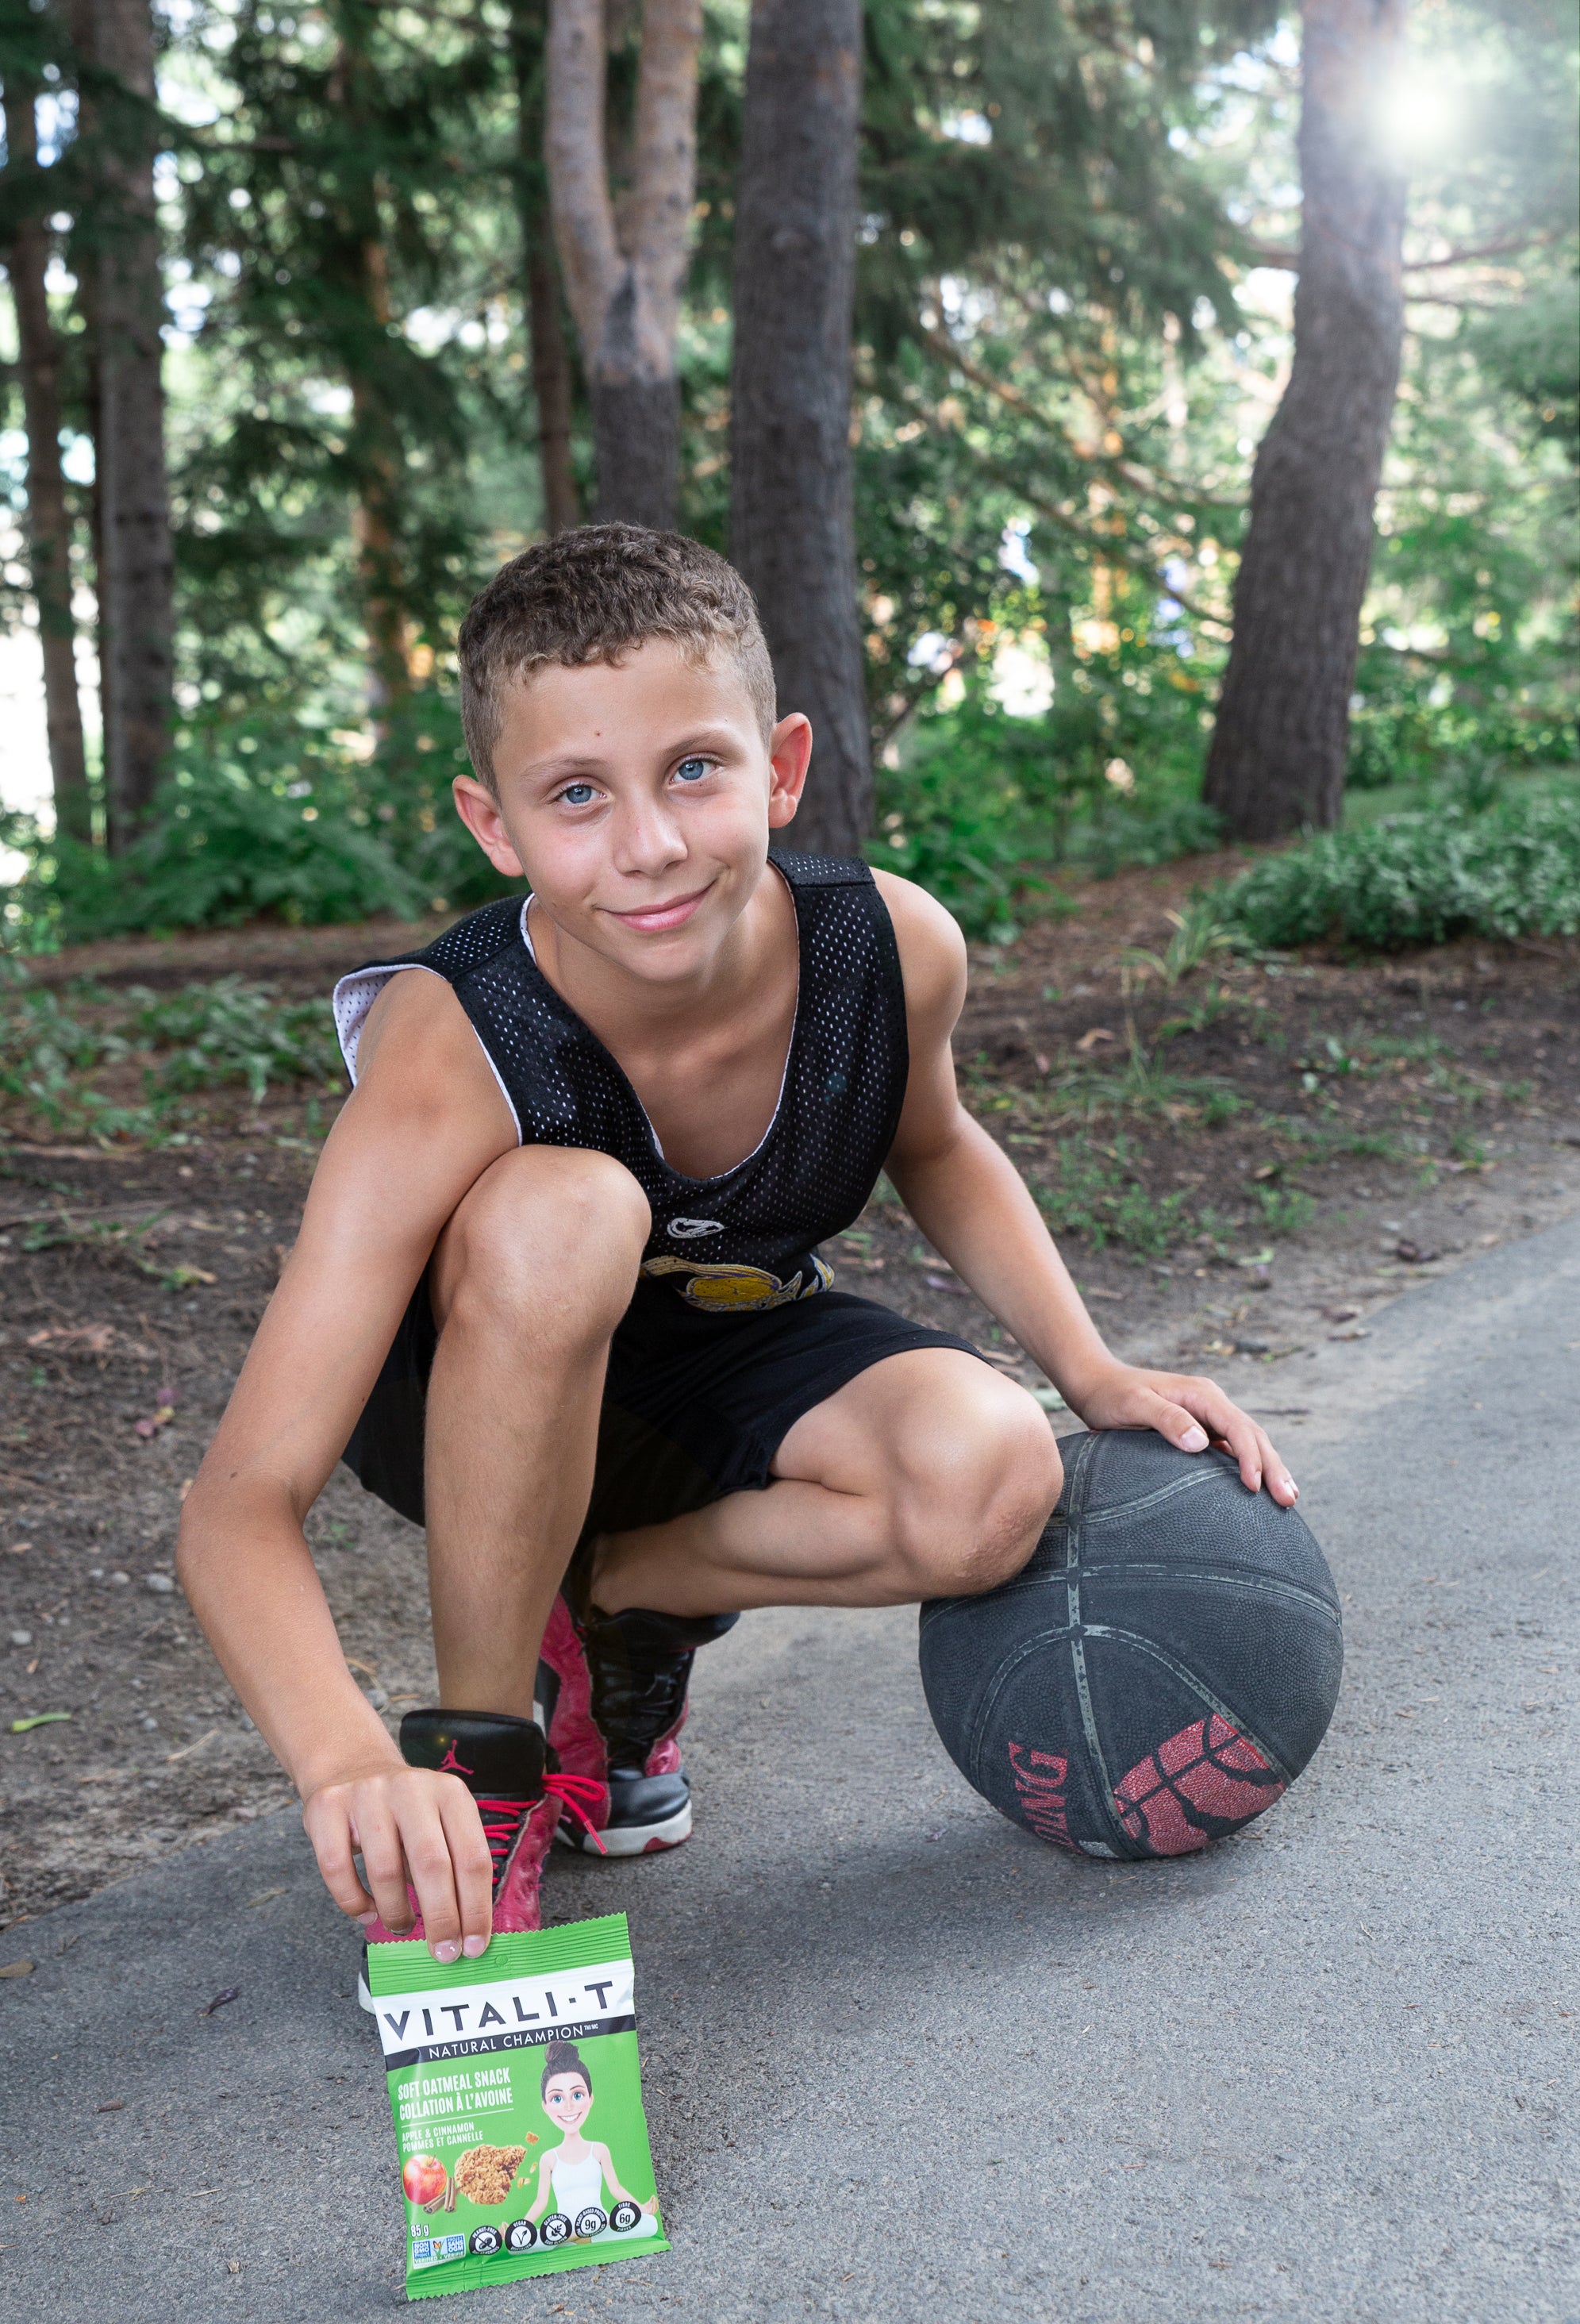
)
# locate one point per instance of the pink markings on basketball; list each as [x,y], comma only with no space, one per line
[450,1765]
[1040,1786]
[1204,1782]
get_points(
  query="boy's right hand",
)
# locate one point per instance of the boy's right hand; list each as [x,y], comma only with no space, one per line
[412,1826]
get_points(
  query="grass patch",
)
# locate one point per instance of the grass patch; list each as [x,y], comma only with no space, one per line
[1097,1191]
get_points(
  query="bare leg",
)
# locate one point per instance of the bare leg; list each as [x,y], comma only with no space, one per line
[925,1476]
[529,1278]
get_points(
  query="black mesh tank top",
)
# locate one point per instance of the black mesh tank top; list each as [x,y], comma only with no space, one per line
[746,1240]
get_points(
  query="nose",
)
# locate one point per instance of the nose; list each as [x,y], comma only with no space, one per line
[647,839]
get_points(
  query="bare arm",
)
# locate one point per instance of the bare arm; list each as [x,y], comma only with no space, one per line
[971,1204]
[545,2186]
[424,1122]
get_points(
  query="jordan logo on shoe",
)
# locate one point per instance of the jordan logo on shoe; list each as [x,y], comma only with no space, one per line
[450,1765]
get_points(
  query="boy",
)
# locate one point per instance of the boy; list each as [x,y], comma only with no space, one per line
[558,1278]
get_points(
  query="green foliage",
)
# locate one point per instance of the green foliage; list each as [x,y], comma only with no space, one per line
[208,1036]
[1419,879]
[220,852]
[260,820]
[1199,934]
[55,1045]
[1285,1210]
[985,804]
[1064,355]
[1098,1193]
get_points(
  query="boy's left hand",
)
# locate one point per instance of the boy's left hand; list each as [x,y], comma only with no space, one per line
[1191,1413]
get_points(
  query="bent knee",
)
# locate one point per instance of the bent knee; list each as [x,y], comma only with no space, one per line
[549,1235]
[970,1516]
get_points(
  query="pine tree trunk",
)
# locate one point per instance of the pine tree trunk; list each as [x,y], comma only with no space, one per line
[358,270]
[1278,754]
[380,569]
[551,385]
[48,522]
[636,436]
[791,526]
[551,358]
[137,569]
[623,277]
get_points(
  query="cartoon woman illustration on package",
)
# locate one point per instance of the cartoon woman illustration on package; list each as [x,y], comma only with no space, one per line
[571,2176]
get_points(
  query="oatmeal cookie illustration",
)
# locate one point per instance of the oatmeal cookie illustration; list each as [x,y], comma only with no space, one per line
[485,2174]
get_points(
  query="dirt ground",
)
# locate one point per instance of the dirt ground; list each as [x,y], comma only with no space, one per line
[1244,1165]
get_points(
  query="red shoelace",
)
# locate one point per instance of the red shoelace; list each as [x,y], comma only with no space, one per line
[502,1819]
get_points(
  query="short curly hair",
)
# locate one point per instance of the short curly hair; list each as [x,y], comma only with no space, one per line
[591,595]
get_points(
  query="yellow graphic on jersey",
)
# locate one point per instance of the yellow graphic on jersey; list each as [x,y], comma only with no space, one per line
[720,1289]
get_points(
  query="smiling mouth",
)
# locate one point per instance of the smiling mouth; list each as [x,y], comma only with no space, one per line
[652,919]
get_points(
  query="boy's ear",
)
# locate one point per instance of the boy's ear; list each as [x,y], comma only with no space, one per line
[479,810]
[789,751]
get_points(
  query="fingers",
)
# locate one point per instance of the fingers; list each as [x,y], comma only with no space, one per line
[1179,1426]
[1202,1407]
[416,1831]
[328,1827]
[384,1859]
[433,1874]
[472,1867]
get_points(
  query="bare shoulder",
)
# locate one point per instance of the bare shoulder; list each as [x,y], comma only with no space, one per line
[417,1047]
[932,951]
[427,1108]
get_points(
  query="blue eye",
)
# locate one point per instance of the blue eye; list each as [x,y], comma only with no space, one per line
[692,771]
[578,794]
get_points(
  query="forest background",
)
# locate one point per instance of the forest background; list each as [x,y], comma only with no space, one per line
[1076,234]
[1089,541]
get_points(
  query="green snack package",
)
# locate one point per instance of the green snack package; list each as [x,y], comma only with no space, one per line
[517,2092]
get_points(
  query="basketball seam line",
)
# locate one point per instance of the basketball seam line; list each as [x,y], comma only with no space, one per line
[1036,1641]
[1105,1788]
[1269,1584]
[1074,1507]
[1205,1694]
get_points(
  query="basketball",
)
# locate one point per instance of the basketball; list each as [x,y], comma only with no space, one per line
[1160,1671]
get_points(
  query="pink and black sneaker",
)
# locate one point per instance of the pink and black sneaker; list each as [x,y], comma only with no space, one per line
[505,1763]
[612,1695]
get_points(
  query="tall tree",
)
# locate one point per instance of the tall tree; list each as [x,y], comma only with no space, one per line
[48,519]
[114,39]
[790,513]
[359,272]
[624,259]
[551,357]
[1277,759]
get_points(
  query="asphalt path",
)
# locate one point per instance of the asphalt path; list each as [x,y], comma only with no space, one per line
[903,2061]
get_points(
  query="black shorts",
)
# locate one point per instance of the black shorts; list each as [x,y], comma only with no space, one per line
[694,1407]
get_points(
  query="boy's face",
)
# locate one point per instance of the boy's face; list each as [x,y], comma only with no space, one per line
[637,799]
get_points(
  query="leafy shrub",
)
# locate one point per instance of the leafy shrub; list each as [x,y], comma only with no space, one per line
[53,1044]
[1421,878]
[232,1031]
[219,852]
[270,819]
[985,806]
